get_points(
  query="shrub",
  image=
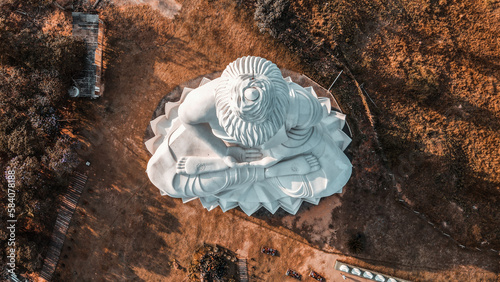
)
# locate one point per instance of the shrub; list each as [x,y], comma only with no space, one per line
[62,158]
[272,16]
[357,243]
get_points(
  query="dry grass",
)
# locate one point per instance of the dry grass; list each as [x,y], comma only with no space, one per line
[432,68]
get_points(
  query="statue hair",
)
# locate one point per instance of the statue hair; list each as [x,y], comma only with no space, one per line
[252,122]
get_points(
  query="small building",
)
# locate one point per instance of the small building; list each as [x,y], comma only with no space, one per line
[90,29]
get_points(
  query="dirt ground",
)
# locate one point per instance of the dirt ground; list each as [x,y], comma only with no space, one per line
[124,230]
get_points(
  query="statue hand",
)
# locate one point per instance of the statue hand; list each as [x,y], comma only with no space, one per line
[236,155]
[232,163]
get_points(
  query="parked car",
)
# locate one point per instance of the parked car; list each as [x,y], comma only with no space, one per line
[293,274]
[269,251]
[316,276]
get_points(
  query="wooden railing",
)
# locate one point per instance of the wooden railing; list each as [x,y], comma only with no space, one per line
[68,206]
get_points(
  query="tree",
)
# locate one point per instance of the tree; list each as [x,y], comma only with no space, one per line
[29,254]
[62,158]
[357,243]
[36,70]
[28,171]
[22,142]
[272,16]
[213,266]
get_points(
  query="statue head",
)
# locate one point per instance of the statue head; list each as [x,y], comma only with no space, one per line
[252,100]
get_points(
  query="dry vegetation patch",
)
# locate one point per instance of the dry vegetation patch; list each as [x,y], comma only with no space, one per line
[432,69]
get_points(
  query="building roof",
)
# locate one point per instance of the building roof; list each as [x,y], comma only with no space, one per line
[90,29]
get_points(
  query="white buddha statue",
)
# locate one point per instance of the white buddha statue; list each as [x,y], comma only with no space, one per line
[249,138]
